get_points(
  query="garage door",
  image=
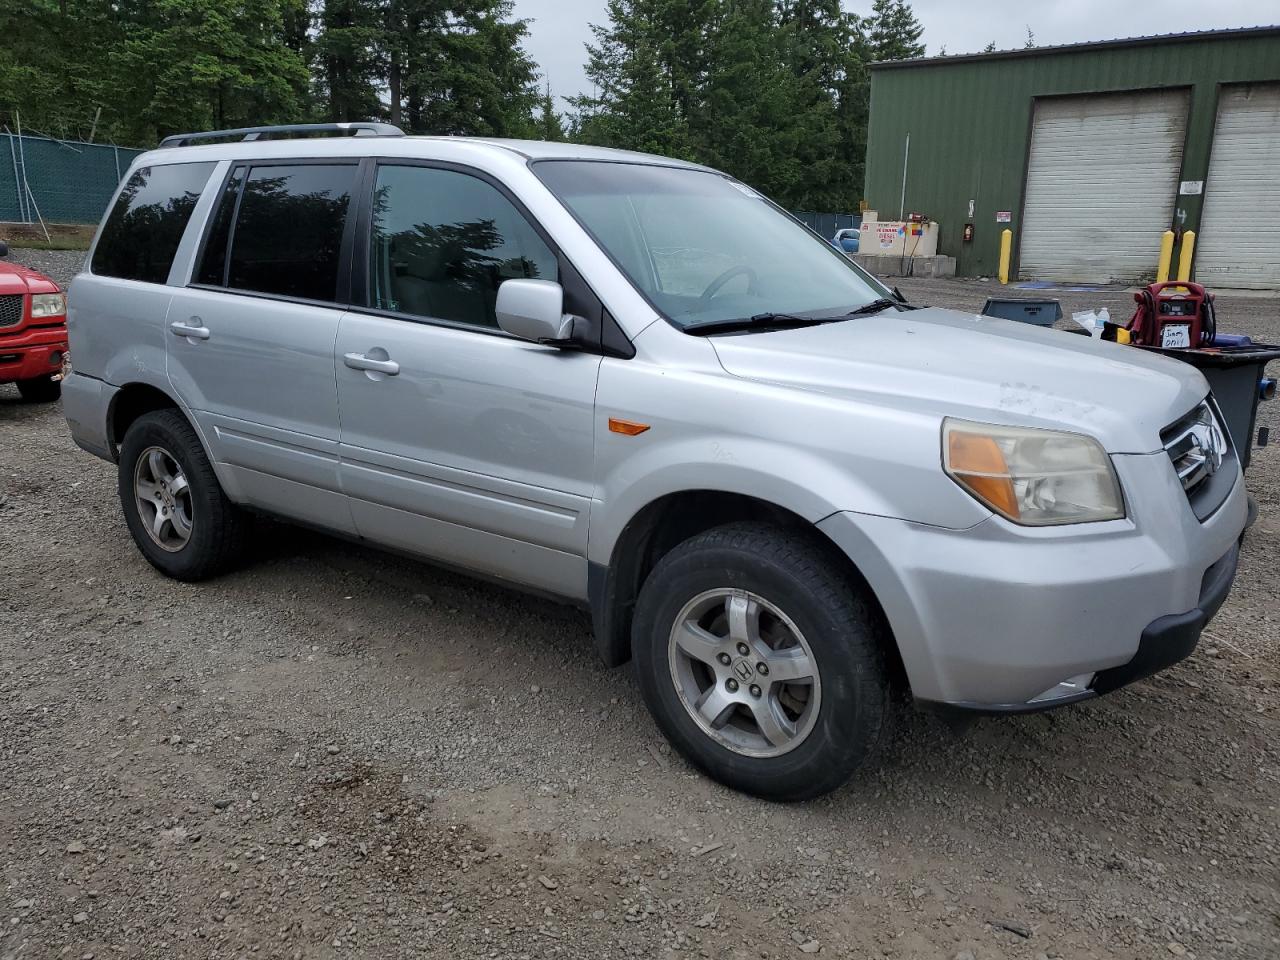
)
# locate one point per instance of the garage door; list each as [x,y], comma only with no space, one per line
[1101,185]
[1239,242]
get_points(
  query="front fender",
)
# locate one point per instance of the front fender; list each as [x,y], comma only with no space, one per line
[797,481]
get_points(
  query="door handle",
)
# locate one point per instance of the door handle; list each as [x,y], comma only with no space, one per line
[358,361]
[180,329]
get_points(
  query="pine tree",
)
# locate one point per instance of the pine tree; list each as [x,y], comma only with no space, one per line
[756,114]
[893,32]
[455,66]
[824,55]
[641,101]
[772,91]
[344,51]
[549,123]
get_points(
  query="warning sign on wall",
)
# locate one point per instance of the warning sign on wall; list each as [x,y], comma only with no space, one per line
[887,233]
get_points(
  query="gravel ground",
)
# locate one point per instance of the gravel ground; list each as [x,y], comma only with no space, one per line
[336,753]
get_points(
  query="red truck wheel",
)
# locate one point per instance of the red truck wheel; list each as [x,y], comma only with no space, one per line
[40,390]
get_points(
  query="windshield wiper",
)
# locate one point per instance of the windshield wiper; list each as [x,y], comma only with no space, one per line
[765,321]
[875,306]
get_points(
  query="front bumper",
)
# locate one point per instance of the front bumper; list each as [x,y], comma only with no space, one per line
[1171,638]
[1006,619]
[37,354]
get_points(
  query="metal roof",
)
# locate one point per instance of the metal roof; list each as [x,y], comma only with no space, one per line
[1154,39]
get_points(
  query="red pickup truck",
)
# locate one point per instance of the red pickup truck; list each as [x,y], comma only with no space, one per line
[33,331]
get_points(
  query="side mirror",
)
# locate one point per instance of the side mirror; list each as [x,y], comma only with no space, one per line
[533,310]
[4,249]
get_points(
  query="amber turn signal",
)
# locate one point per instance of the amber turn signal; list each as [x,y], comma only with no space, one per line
[628,428]
[978,463]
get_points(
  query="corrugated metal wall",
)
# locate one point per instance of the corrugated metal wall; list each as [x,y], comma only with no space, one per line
[970,123]
[71,182]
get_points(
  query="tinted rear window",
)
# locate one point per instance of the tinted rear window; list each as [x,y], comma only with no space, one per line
[142,233]
[288,232]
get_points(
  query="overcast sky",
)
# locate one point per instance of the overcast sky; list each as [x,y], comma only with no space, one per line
[560,29]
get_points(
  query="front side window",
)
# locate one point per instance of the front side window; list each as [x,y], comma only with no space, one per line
[141,236]
[442,242]
[288,230]
[704,248]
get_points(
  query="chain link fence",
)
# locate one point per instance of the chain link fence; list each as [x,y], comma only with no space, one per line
[825,225]
[58,181]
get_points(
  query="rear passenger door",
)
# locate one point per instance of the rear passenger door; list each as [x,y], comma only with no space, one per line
[251,336]
[460,442]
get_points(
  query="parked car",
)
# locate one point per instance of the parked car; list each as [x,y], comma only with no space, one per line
[775,485]
[33,331]
[847,239]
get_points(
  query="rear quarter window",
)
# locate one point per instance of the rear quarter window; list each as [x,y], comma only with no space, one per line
[142,233]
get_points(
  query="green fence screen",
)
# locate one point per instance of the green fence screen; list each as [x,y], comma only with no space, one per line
[66,181]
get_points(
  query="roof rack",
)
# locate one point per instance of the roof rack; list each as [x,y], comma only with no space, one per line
[359,128]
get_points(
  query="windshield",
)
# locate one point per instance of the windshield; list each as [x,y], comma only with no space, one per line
[703,248]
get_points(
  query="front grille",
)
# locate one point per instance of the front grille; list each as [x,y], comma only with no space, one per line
[11,309]
[1200,451]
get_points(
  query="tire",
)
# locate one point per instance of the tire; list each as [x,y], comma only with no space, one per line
[205,532]
[807,609]
[40,389]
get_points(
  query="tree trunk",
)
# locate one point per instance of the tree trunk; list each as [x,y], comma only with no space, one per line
[393,88]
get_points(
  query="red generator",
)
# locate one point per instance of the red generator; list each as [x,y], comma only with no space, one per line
[1173,314]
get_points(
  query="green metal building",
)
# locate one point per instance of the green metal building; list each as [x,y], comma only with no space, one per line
[1088,153]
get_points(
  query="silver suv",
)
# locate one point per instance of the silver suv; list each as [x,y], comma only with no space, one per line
[638,385]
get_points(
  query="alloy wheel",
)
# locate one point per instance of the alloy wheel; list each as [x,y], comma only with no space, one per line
[163,498]
[744,672]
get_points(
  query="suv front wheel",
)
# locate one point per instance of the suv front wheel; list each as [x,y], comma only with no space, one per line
[173,504]
[761,661]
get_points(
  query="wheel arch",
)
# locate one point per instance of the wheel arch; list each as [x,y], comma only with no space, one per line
[128,403]
[137,398]
[669,520]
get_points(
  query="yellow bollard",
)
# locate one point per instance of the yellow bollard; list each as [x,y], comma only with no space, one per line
[1006,250]
[1184,257]
[1166,256]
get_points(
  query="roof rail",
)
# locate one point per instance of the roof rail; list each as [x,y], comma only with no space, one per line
[359,128]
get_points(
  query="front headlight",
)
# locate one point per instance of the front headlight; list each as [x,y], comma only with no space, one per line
[1032,477]
[45,305]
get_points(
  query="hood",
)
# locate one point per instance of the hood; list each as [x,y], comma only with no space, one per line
[946,363]
[15,278]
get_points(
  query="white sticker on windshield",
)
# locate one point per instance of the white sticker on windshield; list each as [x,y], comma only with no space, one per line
[745,189]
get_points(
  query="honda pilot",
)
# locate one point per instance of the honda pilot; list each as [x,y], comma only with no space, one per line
[636,384]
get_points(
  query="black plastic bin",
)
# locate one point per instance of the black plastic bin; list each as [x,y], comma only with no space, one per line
[1041,312]
[1234,373]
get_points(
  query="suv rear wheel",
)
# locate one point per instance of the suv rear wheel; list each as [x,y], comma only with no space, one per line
[40,389]
[173,504]
[761,662]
